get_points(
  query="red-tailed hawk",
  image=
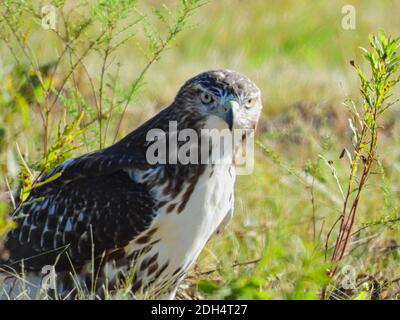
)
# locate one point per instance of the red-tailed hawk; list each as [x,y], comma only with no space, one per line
[113,214]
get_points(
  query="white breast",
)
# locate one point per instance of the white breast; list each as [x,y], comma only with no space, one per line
[183,234]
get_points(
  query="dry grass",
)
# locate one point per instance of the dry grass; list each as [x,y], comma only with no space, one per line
[298,55]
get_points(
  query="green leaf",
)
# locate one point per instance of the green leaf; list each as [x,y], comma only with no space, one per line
[50,179]
[5,222]
[208,286]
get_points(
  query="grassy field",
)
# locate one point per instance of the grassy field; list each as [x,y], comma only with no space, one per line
[274,248]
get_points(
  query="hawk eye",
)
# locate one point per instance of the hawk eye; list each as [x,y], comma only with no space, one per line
[249,103]
[206,98]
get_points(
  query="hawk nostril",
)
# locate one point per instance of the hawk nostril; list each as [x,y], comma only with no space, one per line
[223,108]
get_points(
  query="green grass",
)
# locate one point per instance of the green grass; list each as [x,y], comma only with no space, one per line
[299,56]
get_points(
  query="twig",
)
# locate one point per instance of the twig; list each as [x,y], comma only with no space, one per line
[236,264]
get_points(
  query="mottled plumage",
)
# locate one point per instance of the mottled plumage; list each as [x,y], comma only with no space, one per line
[112,207]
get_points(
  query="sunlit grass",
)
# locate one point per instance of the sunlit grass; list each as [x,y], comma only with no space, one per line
[299,56]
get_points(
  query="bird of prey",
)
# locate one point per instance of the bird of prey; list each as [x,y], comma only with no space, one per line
[112,216]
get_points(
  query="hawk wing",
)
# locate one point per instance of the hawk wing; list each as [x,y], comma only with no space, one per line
[94,205]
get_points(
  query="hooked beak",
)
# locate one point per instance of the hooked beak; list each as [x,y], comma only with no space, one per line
[228,115]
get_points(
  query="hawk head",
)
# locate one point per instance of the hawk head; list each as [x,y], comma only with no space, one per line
[231,99]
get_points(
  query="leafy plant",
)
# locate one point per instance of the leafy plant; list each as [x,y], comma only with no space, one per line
[76,107]
[365,124]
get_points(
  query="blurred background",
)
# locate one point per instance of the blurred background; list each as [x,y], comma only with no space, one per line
[299,55]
